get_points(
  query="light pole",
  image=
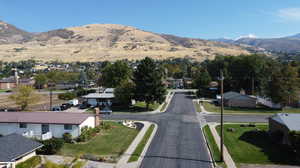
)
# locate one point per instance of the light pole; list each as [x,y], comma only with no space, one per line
[222,110]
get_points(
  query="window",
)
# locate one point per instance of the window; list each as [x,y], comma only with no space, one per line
[68,127]
[23,125]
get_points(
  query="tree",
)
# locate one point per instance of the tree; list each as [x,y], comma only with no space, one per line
[148,79]
[283,85]
[201,82]
[114,74]
[23,96]
[40,81]
[125,93]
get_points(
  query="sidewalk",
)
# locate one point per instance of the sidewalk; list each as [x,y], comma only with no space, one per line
[123,162]
[227,158]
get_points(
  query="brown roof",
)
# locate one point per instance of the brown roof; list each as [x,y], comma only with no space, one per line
[43,117]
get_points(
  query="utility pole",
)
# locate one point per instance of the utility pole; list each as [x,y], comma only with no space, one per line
[252,80]
[222,110]
[50,85]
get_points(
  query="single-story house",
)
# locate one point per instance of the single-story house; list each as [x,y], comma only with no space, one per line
[235,99]
[15,148]
[45,125]
[105,98]
[284,123]
[11,82]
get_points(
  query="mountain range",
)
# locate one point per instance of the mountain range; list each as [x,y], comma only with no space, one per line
[99,42]
[289,44]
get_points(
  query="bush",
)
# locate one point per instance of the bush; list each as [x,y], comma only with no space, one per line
[67,137]
[30,163]
[51,146]
[105,126]
[66,96]
[87,133]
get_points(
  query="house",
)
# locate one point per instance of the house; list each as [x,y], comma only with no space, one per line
[187,83]
[235,99]
[11,82]
[45,125]
[283,123]
[15,148]
[105,98]
[174,83]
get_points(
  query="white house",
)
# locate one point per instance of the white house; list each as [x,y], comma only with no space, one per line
[45,125]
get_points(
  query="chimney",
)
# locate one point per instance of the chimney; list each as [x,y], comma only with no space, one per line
[97,116]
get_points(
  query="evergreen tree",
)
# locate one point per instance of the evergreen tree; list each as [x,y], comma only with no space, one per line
[148,79]
[201,82]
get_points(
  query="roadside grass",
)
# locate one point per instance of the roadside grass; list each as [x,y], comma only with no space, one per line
[79,164]
[112,142]
[3,90]
[30,163]
[197,106]
[213,108]
[212,143]
[253,145]
[163,108]
[138,107]
[139,149]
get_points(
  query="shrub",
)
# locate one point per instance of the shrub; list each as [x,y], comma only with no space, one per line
[66,96]
[30,163]
[105,126]
[87,133]
[51,146]
[67,137]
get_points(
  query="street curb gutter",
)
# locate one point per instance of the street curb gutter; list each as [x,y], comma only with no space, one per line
[146,147]
[209,149]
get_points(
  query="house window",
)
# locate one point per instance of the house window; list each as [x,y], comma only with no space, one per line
[22,125]
[68,127]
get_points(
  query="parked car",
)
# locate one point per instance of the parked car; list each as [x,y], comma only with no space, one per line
[56,108]
[65,106]
[106,110]
[84,106]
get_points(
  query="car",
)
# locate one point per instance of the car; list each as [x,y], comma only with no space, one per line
[56,108]
[106,110]
[65,106]
[83,106]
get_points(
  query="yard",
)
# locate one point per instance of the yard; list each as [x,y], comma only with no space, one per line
[138,107]
[112,142]
[213,108]
[253,145]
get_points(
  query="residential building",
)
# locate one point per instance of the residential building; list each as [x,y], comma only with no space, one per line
[11,82]
[99,99]
[283,123]
[235,99]
[15,148]
[45,125]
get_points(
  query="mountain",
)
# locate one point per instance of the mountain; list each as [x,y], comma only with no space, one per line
[290,44]
[11,34]
[99,42]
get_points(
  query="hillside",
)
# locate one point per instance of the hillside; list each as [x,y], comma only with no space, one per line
[99,42]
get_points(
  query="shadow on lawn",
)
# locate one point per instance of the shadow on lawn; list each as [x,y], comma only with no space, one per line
[277,153]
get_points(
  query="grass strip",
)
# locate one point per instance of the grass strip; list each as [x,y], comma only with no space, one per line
[137,152]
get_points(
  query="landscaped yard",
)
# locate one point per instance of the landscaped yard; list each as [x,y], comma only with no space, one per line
[111,142]
[213,108]
[138,107]
[253,145]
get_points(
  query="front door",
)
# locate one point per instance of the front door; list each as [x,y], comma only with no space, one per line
[45,128]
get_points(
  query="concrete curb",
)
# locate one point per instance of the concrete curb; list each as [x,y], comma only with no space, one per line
[123,162]
[213,164]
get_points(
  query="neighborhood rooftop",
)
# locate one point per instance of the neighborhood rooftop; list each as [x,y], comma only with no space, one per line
[99,96]
[14,146]
[43,117]
[292,121]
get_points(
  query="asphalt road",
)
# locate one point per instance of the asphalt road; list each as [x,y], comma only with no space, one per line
[179,142]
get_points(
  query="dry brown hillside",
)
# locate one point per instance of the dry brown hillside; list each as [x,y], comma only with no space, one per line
[99,42]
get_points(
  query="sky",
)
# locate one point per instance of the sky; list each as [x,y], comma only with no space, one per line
[206,19]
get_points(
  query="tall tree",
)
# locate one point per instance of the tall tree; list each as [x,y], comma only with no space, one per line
[125,93]
[201,82]
[148,79]
[114,74]
[23,96]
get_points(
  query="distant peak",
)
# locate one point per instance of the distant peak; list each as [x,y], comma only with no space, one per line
[252,36]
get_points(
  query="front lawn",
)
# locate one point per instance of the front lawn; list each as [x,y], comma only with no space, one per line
[213,108]
[253,145]
[111,142]
[138,107]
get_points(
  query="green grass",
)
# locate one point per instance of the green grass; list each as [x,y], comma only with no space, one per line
[138,107]
[212,143]
[164,106]
[49,164]
[212,108]
[111,142]
[79,164]
[30,163]
[3,90]
[197,106]
[139,149]
[248,146]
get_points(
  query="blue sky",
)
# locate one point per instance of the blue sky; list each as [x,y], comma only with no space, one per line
[190,18]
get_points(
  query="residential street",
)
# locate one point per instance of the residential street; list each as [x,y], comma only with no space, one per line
[179,141]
